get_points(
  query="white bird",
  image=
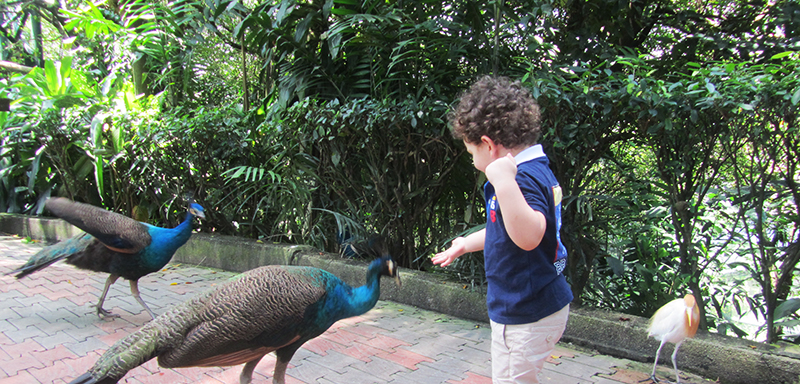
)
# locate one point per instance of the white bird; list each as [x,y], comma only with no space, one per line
[673,323]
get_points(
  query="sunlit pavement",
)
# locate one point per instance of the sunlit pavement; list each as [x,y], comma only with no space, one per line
[49,333]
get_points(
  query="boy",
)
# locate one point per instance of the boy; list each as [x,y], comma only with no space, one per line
[528,297]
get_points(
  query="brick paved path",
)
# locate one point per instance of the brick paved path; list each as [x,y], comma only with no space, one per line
[49,333]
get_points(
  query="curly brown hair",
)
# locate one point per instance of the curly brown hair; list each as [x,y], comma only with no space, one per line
[501,109]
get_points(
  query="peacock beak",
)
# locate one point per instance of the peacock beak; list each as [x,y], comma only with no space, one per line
[198,213]
[394,272]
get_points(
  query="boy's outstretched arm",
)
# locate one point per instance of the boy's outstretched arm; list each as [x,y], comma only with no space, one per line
[525,226]
[461,245]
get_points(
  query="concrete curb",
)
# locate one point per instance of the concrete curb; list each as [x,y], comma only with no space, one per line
[713,356]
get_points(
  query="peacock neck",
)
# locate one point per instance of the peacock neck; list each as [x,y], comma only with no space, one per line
[165,241]
[363,298]
[182,232]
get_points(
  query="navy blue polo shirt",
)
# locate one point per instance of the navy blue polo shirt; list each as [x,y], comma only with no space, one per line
[526,286]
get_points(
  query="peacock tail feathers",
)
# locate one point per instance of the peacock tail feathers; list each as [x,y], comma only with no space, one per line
[53,253]
[118,232]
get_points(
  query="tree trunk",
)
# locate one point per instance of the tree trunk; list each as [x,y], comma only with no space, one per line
[682,219]
[137,69]
[246,101]
[36,25]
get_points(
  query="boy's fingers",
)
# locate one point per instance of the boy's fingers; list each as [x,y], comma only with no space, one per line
[438,259]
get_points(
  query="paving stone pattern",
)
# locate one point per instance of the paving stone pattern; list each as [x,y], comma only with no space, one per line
[49,333]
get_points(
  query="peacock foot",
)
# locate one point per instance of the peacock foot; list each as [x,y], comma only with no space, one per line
[102,313]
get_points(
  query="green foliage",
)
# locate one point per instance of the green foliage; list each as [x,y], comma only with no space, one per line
[59,114]
[384,165]
[671,126]
[607,126]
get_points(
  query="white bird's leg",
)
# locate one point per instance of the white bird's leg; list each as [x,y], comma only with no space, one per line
[100,311]
[675,364]
[655,363]
[246,377]
[135,293]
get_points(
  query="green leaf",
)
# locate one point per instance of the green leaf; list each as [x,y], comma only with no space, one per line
[98,175]
[83,84]
[787,308]
[302,27]
[237,171]
[739,332]
[37,160]
[285,4]
[343,11]
[96,130]
[781,55]
[52,76]
[65,70]
[796,97]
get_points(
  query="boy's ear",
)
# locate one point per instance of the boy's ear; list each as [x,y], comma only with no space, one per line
[487,140]
[491,146]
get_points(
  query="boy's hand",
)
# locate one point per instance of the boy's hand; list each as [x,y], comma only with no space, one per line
[501,170]
[450,254]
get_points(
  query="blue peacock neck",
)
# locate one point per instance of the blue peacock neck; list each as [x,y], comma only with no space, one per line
[183,231]
[165,241]
[363,298]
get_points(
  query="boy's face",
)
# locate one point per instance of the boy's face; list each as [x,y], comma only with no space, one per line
[481,154]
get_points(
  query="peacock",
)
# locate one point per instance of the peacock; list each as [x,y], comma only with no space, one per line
[271,308]
[112,243]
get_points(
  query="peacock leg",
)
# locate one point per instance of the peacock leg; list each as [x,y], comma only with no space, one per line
[100,311]
[282,362]
[247,372]
[279,376]
[135,293]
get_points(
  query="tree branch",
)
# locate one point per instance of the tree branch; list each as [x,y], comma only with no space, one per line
[14,67]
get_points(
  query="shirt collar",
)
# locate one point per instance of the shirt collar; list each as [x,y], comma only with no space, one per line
[529,154]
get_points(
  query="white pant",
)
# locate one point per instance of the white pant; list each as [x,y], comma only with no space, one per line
[520,350]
